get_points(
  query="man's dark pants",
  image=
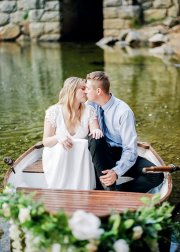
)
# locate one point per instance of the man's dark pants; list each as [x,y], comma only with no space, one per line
[105,157]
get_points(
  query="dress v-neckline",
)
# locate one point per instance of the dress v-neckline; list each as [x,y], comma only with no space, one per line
[66,125]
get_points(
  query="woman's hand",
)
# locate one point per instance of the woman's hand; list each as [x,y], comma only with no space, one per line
[96,133]
[67,144]
[65,141]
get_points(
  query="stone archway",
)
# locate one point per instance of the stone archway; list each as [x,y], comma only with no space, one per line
[81,20]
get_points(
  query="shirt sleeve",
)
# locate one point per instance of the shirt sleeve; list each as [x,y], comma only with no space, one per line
[129,143]
[50,115]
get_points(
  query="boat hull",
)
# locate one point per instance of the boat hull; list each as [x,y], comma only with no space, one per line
[29,177]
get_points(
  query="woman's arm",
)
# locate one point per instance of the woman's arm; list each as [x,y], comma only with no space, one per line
[94,129]
[93,124]
[49,137]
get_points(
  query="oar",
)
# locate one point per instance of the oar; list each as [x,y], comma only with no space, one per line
[169,168]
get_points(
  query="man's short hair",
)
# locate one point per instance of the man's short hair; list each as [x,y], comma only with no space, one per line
[102,78]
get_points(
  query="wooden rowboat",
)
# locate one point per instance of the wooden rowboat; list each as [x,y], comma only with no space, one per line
[26,174]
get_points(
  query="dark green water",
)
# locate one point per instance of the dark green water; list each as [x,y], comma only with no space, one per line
[32,75]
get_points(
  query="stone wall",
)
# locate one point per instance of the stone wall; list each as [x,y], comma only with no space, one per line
[30,19]
[41,19]
[123,14]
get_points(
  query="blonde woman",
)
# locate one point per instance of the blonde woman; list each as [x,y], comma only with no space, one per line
[67,161]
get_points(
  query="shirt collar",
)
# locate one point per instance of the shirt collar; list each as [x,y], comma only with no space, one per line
[108,104]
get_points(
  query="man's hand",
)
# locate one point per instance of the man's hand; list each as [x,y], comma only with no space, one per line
[109,178]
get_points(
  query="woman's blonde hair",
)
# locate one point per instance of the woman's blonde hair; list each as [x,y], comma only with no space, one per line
[67,98]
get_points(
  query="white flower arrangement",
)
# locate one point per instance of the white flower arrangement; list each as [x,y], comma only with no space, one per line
[33,229]
[137,232]
[85,226]
[15,235]
[24,215]
[6,210]
[121,246]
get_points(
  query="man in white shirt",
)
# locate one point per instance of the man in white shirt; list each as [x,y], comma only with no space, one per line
[115,155]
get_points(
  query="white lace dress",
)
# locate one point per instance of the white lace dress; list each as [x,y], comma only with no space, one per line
[69,169]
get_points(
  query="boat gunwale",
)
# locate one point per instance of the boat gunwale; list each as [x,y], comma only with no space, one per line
[168,175]
[19,159]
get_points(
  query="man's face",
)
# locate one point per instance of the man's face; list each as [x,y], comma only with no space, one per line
[91,91]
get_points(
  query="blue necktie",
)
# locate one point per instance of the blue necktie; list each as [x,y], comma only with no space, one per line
[101,120]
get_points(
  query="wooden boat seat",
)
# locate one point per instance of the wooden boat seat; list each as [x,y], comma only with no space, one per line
[36,167]
[100,203]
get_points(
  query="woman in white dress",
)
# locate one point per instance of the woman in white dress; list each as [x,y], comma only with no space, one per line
[66,159]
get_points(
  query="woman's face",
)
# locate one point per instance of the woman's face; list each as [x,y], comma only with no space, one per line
[80,93]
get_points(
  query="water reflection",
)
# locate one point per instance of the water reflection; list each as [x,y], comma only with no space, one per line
[32,75]
[153,90]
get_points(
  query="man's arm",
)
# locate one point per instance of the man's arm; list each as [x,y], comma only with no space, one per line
[128,158]
[128,135]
